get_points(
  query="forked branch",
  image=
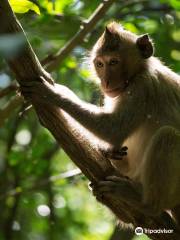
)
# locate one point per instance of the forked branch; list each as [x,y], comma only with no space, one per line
[27,67]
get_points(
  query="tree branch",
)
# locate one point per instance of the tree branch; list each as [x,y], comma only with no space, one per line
[85,28]
[27,67]
[54,60]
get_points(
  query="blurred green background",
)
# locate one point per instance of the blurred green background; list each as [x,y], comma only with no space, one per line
[41,195]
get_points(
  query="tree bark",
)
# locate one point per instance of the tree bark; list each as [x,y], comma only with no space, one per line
[83,153]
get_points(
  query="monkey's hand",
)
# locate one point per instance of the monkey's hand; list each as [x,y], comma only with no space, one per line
[45,92]
[40,90]
[115,154]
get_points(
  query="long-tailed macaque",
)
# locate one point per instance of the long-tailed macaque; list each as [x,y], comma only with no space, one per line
[141,111]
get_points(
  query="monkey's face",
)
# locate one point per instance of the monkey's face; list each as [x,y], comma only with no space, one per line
[109,69]
[119,55]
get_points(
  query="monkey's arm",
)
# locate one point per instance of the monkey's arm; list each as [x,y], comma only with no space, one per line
[113,127]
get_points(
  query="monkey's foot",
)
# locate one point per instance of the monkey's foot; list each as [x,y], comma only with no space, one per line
[126,190]
[115,154]
[120,187]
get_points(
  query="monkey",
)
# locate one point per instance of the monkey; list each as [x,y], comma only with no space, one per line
[141,111]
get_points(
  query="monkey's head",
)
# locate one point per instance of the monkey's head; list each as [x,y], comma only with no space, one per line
[118,56]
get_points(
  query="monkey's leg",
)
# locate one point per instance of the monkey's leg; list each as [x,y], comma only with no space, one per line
[121,188]
[125,190]
[160,175]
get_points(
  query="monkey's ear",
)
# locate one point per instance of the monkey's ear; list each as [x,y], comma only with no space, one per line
[107,31]
[108,34]
[145,46]
[110,39]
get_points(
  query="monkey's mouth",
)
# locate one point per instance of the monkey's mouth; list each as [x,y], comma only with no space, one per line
[113,92]
[114,89]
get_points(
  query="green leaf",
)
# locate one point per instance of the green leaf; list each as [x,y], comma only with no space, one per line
[131,27]
[15,157]
[175,54]
[56,7]
[175,4]
[22,6]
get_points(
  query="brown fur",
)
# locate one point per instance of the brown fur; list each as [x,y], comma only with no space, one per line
[141,111]
[144,114]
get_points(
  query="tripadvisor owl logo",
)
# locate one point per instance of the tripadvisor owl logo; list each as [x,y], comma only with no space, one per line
[139,231]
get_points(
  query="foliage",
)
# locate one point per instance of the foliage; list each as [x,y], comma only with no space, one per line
[23,6]
[34,204]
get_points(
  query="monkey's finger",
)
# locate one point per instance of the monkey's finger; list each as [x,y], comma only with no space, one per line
[49,80]
[99,196]
[39,80]
[105,183]
[91,186]
[32,89]
[43,80]
[28,89]
[35,87]
[113,178]
[113,157]
[30,83]
[105,189]
[120,152]
[28,97]
[116,156]
[124,148]
[117,179]
[25,92]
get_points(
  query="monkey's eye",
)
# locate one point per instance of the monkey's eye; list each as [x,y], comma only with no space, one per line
[99,64]
[113,62]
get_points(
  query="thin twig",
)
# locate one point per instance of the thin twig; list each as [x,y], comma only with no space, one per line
[66,175]
[81,150]
[54,60]
[86,26]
